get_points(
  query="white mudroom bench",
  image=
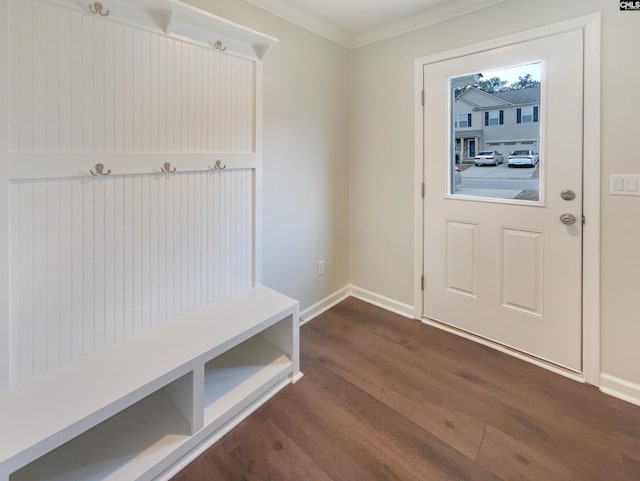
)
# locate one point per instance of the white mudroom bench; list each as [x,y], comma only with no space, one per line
[142,408]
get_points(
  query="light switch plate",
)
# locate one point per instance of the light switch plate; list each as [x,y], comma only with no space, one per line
[624,184]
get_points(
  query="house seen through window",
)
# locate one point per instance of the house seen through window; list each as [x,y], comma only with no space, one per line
[495,144]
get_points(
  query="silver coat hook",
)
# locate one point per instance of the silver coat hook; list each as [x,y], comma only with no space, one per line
[218,46]
[97,9]
[218,166]
[166,168]
[99,170]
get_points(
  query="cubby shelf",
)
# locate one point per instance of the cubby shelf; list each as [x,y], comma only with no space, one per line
[133,410]
[234,378]
[125,446]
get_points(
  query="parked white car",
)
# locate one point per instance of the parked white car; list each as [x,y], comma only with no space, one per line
[523,157]
[488,157]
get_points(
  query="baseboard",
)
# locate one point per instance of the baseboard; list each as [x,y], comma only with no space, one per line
[324,305]
[620,388]
[382,301]
[364,295]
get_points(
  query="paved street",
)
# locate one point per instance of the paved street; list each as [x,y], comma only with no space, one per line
[498,181]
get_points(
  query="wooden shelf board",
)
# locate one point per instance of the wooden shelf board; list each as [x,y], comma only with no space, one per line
[173,17]
[64,165]
[239,375]
[122,447]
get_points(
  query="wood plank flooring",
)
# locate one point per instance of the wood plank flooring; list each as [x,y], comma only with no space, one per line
[387,398]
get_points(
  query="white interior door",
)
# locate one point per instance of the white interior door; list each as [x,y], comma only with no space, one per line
[506,269]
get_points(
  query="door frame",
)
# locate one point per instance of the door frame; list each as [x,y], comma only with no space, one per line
[591,26]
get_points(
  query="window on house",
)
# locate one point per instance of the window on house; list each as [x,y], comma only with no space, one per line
[463,120]
[527,114]
[494,117]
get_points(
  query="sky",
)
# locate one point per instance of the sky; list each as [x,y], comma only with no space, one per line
[511,74]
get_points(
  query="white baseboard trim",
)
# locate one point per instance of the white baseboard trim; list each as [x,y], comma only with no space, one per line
[382,301]
[324,305]
[620,388]
[359,293]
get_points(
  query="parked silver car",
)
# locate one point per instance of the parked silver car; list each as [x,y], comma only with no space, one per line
[488,157]
[523,157]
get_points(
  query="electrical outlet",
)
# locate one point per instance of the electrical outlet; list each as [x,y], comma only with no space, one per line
[321,268]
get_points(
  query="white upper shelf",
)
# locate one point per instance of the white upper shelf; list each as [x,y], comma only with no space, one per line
[178,19]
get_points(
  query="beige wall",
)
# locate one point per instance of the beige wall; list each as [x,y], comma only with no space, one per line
[382,157]
[329,111]
[305,155]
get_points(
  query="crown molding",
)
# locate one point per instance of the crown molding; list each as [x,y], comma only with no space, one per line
[430,16]
[300,17]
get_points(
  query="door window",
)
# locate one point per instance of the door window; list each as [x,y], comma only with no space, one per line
[503,158]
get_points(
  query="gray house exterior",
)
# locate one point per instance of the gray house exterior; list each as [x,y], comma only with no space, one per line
[502,121]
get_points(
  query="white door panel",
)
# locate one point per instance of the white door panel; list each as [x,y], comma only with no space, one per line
[509,270]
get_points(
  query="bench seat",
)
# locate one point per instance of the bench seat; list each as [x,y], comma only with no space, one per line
[177,384]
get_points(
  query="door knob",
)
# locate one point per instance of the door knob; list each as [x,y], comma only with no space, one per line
[568,219]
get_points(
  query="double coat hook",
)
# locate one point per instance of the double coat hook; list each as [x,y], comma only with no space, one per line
[99,170]
[218,166]
[97,9]
[166,168]
[218,46]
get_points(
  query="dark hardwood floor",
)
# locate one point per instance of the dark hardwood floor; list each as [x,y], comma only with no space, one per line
[387,398]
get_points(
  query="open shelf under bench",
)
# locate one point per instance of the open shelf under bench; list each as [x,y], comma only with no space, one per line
[134,409]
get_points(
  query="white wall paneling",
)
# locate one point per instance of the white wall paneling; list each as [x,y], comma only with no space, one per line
[94,260]
[85,84]
[97,260]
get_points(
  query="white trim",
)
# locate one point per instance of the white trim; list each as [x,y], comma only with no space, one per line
[350,290]
[439,13]
[61,165]
[302,18]
[591,203]
[5,285]
[499,347]
[384,302]
[325,304]
[525,36]
[625,390]
[257,210]
[418,209]
[590,24]
[430,16]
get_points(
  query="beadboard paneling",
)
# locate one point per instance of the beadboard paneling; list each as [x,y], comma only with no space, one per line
[81,83]
[94,261]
